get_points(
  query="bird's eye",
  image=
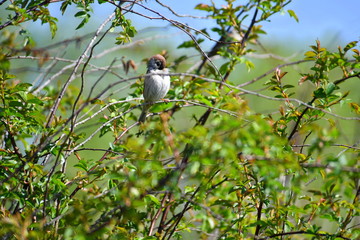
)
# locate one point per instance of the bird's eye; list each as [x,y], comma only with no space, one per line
[158,64]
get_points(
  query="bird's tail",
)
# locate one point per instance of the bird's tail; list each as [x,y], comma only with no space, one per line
[144,113]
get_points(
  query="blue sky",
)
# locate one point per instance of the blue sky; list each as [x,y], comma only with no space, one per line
[334,22]
[320,18]
[317,18]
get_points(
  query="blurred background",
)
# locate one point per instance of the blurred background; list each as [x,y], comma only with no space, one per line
[332,22]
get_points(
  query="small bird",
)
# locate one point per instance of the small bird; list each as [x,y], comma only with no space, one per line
[155,86]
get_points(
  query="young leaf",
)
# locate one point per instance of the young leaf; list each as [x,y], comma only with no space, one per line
[350,45]
[293,15]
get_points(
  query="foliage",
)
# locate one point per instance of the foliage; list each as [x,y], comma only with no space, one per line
[224,171]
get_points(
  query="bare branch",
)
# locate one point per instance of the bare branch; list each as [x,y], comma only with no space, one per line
[326,166]
[179,15]
[302,232]
[271,71]
[77,65]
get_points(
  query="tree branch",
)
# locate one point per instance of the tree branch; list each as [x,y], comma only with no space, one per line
[295,128]
[300,233]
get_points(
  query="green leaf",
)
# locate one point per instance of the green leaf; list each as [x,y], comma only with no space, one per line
[319,93]
[131,31]
[330,88]
[203,99]
[249,65]
[153,199]
[350,45]
[82,164]
[355,107]
[190,43]
[83,22]
[310,54]
[204,7]
[224,68]
[81,14]
[288,86]
[293,15]
[64,6]
[21,87]
[53,28]
[22,95]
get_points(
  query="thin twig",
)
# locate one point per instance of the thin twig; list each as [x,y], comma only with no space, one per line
[271,71]
[334,145]
[72,75]
[179,15]
[295,128]
[302,232]
[326,166]
[56,105]
[157,214]
[186,205]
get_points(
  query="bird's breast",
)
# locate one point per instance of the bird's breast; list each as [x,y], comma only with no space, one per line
[156,87]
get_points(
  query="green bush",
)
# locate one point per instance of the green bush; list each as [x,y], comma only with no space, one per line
[206,164]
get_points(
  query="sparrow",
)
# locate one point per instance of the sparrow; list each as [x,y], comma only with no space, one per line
[155,86]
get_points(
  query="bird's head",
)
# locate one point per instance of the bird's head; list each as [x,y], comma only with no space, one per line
[156,62]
